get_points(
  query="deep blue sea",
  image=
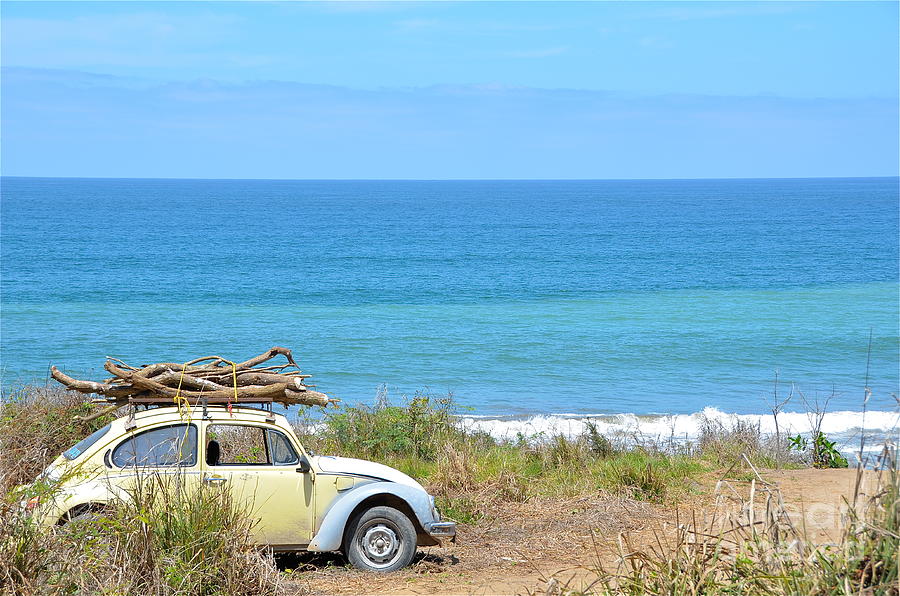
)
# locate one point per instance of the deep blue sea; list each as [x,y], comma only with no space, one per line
[521,298]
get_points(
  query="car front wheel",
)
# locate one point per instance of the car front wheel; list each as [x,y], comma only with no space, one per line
[380,539]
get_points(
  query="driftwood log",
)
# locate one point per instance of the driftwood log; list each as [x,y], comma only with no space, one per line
[212,379]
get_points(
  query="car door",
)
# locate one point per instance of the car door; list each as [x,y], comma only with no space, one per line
[168,452]
[258,465]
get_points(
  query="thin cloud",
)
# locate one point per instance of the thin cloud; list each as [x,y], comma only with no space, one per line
[417,24]
[539,53]
[353,6]
[688,12]
[145,40]
[114,29]
[281,129]
[655,42]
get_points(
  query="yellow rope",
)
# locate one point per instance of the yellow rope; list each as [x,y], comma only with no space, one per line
[181,401]
[178,399]
[184,405]
[234,378]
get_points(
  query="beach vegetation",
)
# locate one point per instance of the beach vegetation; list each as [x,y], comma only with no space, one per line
[169,541]
[36,425]
[819,450]
[417,430]
[741,443]
[760,551]
[161,540]
[423,438]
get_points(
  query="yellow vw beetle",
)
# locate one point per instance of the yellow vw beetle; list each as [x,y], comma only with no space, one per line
[374,514]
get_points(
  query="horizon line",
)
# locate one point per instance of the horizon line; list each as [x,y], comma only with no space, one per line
[452,179]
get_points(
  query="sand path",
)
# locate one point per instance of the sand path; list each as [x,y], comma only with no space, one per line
[528,544]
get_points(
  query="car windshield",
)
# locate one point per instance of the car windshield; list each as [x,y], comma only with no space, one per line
[85,443]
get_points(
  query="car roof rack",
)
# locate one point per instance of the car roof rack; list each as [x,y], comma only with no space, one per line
[155,401]
[265,403]
[194,401]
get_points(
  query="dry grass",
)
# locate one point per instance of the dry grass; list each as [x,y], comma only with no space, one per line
[741,442]
[36,425]
[558,491]
[160,541]
[749,544]
[514,539]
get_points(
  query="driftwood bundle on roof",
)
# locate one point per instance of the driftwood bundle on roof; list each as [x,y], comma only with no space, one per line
[212,379]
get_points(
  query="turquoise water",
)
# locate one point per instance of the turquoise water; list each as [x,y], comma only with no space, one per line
[521,298]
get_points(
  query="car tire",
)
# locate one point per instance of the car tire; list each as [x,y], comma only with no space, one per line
[380,539]
[82,523]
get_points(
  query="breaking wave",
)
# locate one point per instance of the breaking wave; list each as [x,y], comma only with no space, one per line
[844,427]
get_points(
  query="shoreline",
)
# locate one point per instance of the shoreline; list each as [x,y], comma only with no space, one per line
[681,426]
[678,430]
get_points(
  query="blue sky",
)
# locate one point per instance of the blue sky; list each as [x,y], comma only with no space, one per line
[450,90]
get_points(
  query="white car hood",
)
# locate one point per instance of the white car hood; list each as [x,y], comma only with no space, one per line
[360,467]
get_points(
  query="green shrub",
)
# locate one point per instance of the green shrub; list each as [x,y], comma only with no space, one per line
[599,445]
[646,476]
[424,439]
[421,428]
[190,540]
[463,509]
[821,451]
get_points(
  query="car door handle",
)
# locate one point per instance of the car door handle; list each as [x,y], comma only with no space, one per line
[214,480]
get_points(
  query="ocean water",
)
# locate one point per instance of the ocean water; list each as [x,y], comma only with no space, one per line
[530,301]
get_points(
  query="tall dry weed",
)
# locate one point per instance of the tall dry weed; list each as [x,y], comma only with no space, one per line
[752,544]
[160,542]
[36,425]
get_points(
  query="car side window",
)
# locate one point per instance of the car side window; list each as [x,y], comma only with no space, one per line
[86,443]
[168,446]
[236,445]
[282,451]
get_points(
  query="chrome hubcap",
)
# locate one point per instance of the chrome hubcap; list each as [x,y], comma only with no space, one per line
[380,544]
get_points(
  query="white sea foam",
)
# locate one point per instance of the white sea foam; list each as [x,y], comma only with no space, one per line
[843,425]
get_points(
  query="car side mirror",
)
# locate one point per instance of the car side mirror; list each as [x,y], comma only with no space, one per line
[303,467]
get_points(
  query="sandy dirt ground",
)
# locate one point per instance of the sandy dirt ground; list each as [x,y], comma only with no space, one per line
[525,545]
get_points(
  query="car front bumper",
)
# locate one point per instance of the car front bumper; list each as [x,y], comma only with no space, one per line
[442,529]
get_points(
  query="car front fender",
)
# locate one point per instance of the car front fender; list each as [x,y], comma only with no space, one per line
[331,532]
[88,493]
